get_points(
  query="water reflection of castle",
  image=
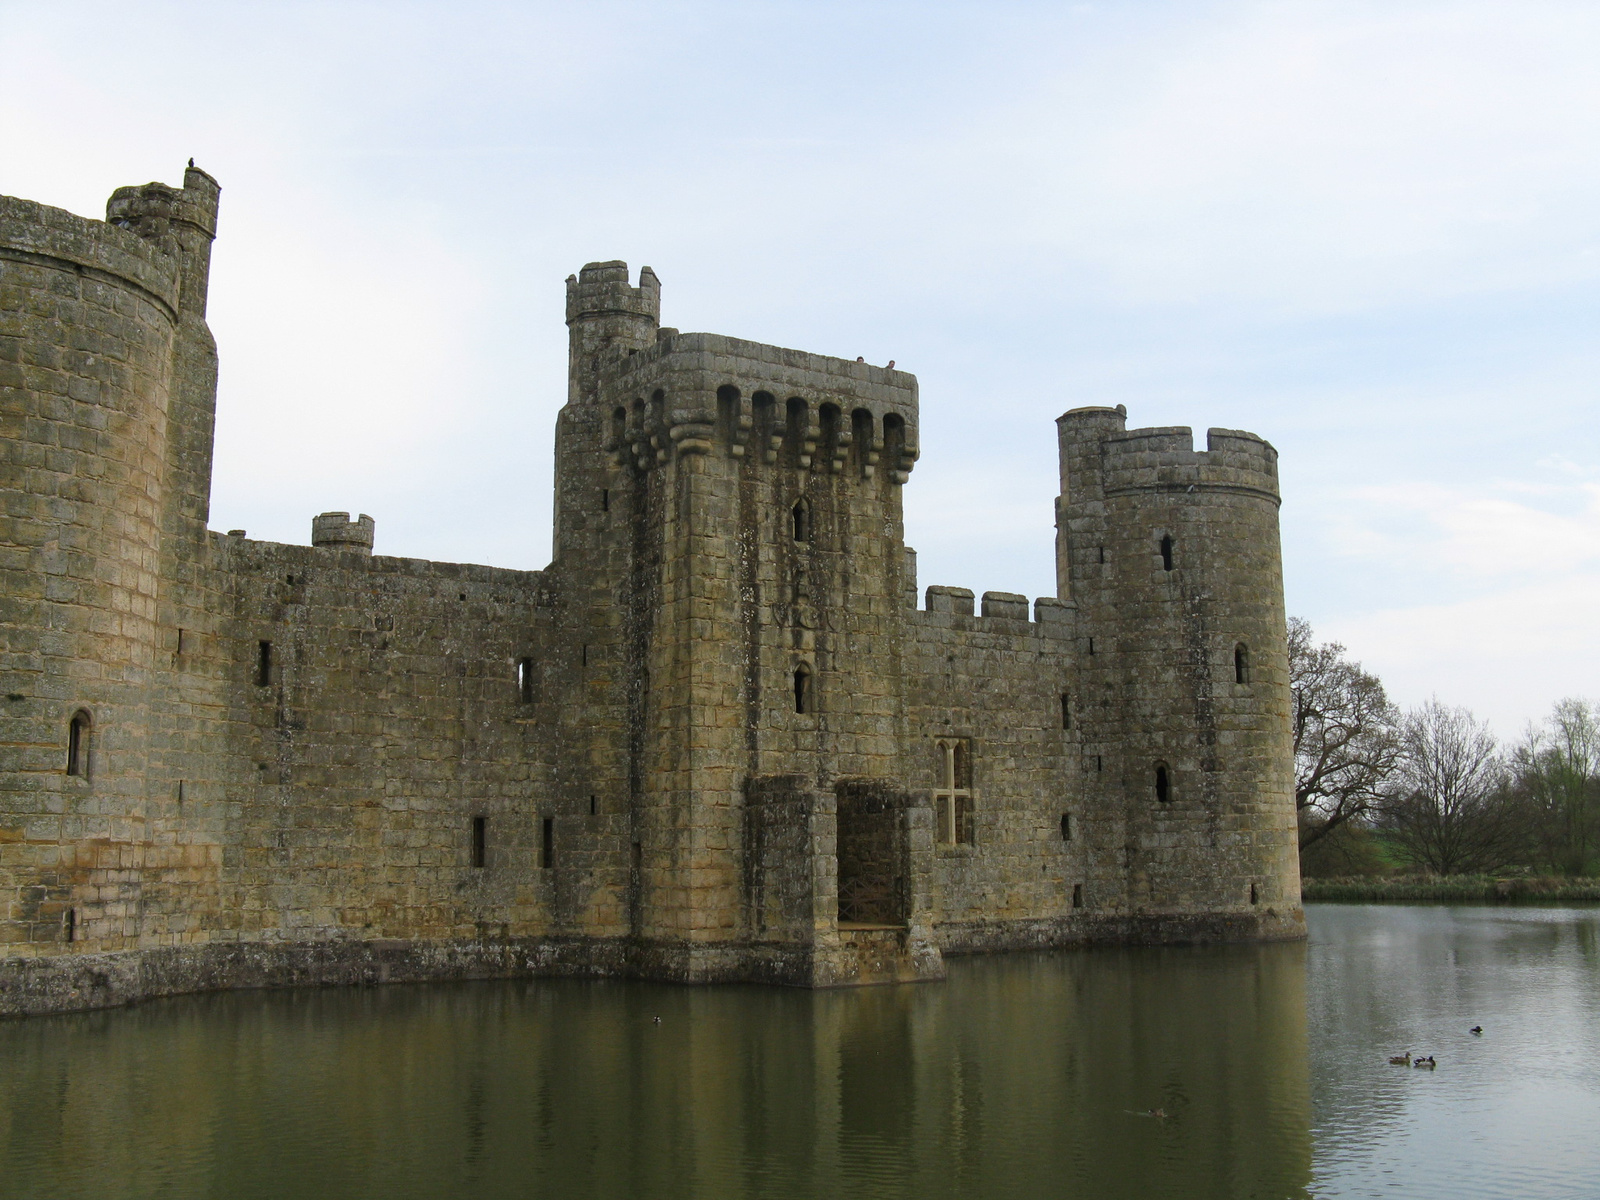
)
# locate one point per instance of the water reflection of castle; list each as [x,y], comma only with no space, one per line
[1025,1076]
[715,739]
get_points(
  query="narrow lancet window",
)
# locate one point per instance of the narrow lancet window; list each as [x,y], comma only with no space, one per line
[480,841]
[802,689]
[1163,787]
[525,680]
[263,663]
[1066,827]
[78,744]
[1241,663]
[1166,553]
[800,518]
[1066,711]
[547,844]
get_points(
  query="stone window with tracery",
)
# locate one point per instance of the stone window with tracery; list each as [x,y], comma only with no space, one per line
[952,793]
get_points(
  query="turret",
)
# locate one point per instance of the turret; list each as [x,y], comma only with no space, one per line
[336,531]
[606,316]
[183,221]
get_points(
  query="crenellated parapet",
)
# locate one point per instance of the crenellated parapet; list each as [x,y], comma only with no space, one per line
[153,210]
[336,531]
[699,393]
[1165,460]
[1101,458]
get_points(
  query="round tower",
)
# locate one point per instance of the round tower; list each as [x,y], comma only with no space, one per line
[605,314]
[90,317]
[1173,558]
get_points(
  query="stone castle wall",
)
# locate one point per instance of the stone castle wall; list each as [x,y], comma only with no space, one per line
[715,739]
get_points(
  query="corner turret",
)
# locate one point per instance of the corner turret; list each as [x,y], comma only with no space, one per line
[607,316]
[1171,556]
[182,221]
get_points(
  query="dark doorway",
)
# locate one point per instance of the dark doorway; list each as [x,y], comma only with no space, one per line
[871,879]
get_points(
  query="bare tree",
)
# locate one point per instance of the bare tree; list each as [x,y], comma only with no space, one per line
[1449,809]
[1346,735]
[1557,769]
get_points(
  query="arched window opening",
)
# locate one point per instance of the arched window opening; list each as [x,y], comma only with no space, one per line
[264,662]
[952,793]
[1255,897]
[729,403]
[72,925]
[547,844]
[1163,787]
[1066,711]
[864,441]
[800,520]
[830,421]
[802,689]
[78,744]
[1166,552]
[480,841]
[894,444]
[658,410]
[1077,895]
[1066,827]
[797,424]
[1241,663]
[525,680]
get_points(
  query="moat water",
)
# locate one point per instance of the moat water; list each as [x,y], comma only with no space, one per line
[1025,1076]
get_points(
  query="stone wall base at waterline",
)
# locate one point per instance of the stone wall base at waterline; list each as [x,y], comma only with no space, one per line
[36,985]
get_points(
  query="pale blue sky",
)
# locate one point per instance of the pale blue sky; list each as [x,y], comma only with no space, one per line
[1368,232]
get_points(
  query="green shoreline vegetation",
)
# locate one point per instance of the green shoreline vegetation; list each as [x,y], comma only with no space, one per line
[1450,889]
[1428,806]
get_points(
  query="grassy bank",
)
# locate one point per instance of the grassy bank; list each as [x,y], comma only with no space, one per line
[1451,889]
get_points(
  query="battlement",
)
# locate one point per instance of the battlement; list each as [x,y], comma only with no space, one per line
[151,209]
[1000,612]
[1100,455]
[701,392]
[601,289]
[336,531]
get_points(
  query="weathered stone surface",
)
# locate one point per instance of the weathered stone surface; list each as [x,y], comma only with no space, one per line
[714,740]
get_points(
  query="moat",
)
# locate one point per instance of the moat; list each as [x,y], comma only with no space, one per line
[1023,1075]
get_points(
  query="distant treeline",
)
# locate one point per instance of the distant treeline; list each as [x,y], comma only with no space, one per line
[1431,792]
[1452,889]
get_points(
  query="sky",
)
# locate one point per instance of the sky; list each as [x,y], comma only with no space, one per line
[1369,232]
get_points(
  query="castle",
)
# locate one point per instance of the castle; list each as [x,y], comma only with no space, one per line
[717,738]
